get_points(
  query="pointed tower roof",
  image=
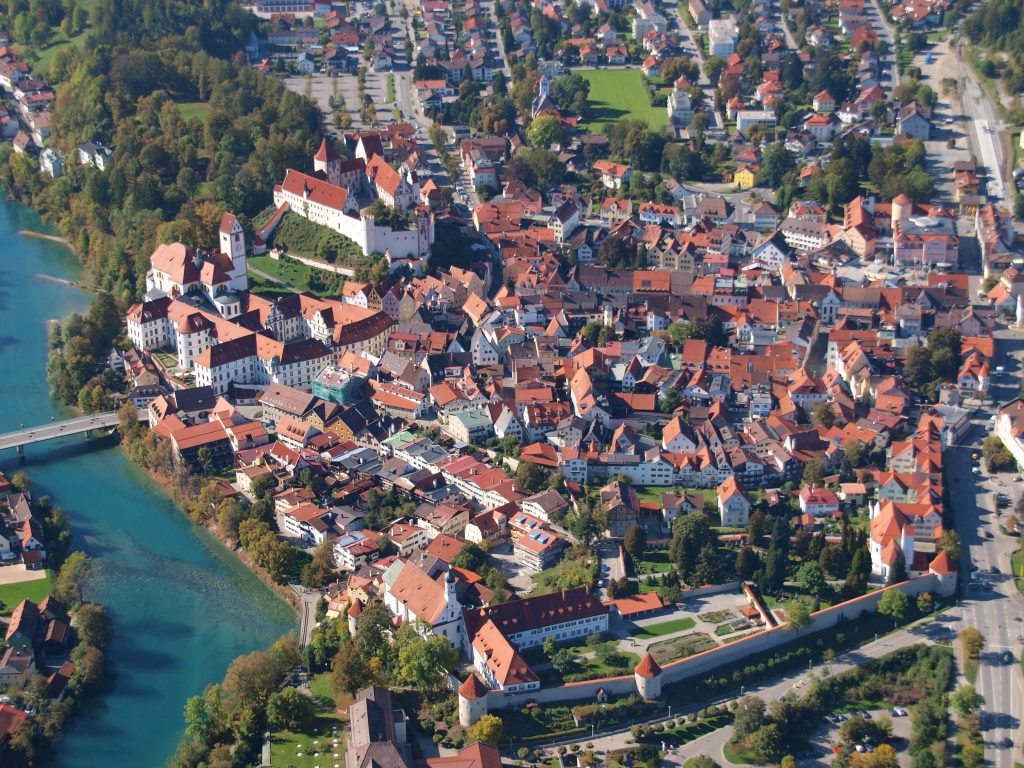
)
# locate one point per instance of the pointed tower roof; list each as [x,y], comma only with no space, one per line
[356,609]
[228,222]
[942,564]
[326,152]
[473,688]
[648,667]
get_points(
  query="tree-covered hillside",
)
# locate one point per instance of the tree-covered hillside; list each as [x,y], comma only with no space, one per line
[998,25]
[170,177]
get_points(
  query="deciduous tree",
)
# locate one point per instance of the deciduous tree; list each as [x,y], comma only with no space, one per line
[749,716]
[894,603]
[966,701]
[487,730]
[289,710]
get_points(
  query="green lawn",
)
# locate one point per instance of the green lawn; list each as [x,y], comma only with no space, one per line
[320,686]
[1017,563]
[665,628]
[200,110]
[296,750]
[12,594]
[168,359]
[290,271]
[738,755]
[584,668]
[46,54]
[653,493]
[655,561]
[971,670]
[265,288]
[619,94]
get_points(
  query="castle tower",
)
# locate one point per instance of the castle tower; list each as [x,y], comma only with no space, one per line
[901,208]
[327,160]
[648,678]
[472,700]
[354,612]
[232,244]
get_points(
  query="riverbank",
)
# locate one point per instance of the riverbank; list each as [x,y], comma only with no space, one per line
[69,670]
[183,606]
[182,489]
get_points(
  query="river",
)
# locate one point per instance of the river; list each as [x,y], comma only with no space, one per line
[183,607]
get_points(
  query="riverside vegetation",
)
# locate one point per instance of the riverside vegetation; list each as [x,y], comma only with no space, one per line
[94,631]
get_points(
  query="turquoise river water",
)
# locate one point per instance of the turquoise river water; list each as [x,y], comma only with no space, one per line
[183,607]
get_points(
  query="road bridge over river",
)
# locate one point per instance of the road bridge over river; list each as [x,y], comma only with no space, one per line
[77,426]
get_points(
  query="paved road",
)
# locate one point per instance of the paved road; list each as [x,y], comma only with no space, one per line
[690,41]
[886,32]
[307,613]
[996,613]
[985,129]
[58,429]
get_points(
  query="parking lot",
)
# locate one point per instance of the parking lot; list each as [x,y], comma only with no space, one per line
[519,577]
[826,737]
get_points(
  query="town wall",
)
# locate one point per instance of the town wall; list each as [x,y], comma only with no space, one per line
[736,652]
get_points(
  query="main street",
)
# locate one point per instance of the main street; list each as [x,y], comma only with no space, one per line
[995,609]
[985,129]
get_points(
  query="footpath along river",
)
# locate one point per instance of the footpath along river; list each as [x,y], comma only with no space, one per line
[183,607]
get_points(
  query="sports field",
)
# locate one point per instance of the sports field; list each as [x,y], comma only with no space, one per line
[619,94]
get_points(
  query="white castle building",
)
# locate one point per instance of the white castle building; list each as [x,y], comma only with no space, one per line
[328,197]
[199,307]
